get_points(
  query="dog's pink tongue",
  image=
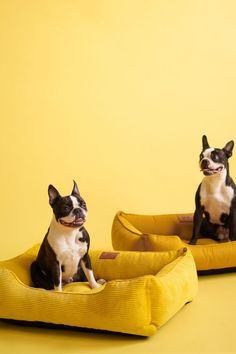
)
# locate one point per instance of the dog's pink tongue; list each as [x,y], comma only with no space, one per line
[78,221]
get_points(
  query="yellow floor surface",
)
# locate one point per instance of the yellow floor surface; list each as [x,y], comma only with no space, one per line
[207,325]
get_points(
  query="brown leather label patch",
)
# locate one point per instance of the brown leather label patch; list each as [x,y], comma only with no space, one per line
[108,255]
[185,218]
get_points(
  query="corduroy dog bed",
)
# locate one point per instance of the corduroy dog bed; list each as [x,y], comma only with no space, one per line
[134,232]
[143,291]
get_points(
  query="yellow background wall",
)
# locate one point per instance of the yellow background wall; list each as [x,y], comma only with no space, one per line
[115,94]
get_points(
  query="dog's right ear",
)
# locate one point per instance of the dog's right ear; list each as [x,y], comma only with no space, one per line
[205,144]
[53,195]
[75,191]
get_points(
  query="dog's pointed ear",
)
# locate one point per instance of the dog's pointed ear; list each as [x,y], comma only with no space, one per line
[229,148]
[53,195]
[75,191]
[205,144]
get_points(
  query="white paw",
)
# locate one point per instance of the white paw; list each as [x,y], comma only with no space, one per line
[98,283]
[221,237]
[58,288]
[222,234]
[101,281]
[68,281]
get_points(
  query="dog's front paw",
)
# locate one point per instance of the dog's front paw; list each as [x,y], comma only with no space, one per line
[101,281]
[98,283]
[222,234]
[69,280]
[58,288]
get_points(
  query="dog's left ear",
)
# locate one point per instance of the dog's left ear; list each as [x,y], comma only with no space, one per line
[75,191]
[229,148]
[53,195]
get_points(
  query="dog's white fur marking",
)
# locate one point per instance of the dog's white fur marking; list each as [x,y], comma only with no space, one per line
[67,247]
[74,201]
[215,196]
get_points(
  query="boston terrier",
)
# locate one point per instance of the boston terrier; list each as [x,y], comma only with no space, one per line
[63,255]
[215,213]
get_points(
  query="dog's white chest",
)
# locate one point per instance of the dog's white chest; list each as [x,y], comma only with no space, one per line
[216,199]
[69,250]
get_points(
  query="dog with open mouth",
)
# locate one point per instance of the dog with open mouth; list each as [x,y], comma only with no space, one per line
[63,256]
[215,212]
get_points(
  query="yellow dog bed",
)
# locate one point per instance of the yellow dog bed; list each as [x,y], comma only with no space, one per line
[143,291]
[133,232]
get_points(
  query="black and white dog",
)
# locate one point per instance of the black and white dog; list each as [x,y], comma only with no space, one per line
[63,255]
[215,213]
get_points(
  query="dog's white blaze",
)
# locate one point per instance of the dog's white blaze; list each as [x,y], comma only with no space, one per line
[74,201]
[215,196]
[67,247]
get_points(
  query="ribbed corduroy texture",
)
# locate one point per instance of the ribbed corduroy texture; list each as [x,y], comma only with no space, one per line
[133,232]
[143,291]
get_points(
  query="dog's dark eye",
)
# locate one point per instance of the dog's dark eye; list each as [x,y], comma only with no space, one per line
[83,205]
[66,209]
[215,156]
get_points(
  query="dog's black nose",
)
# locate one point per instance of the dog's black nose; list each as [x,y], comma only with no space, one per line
[205,164]
[78,212]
